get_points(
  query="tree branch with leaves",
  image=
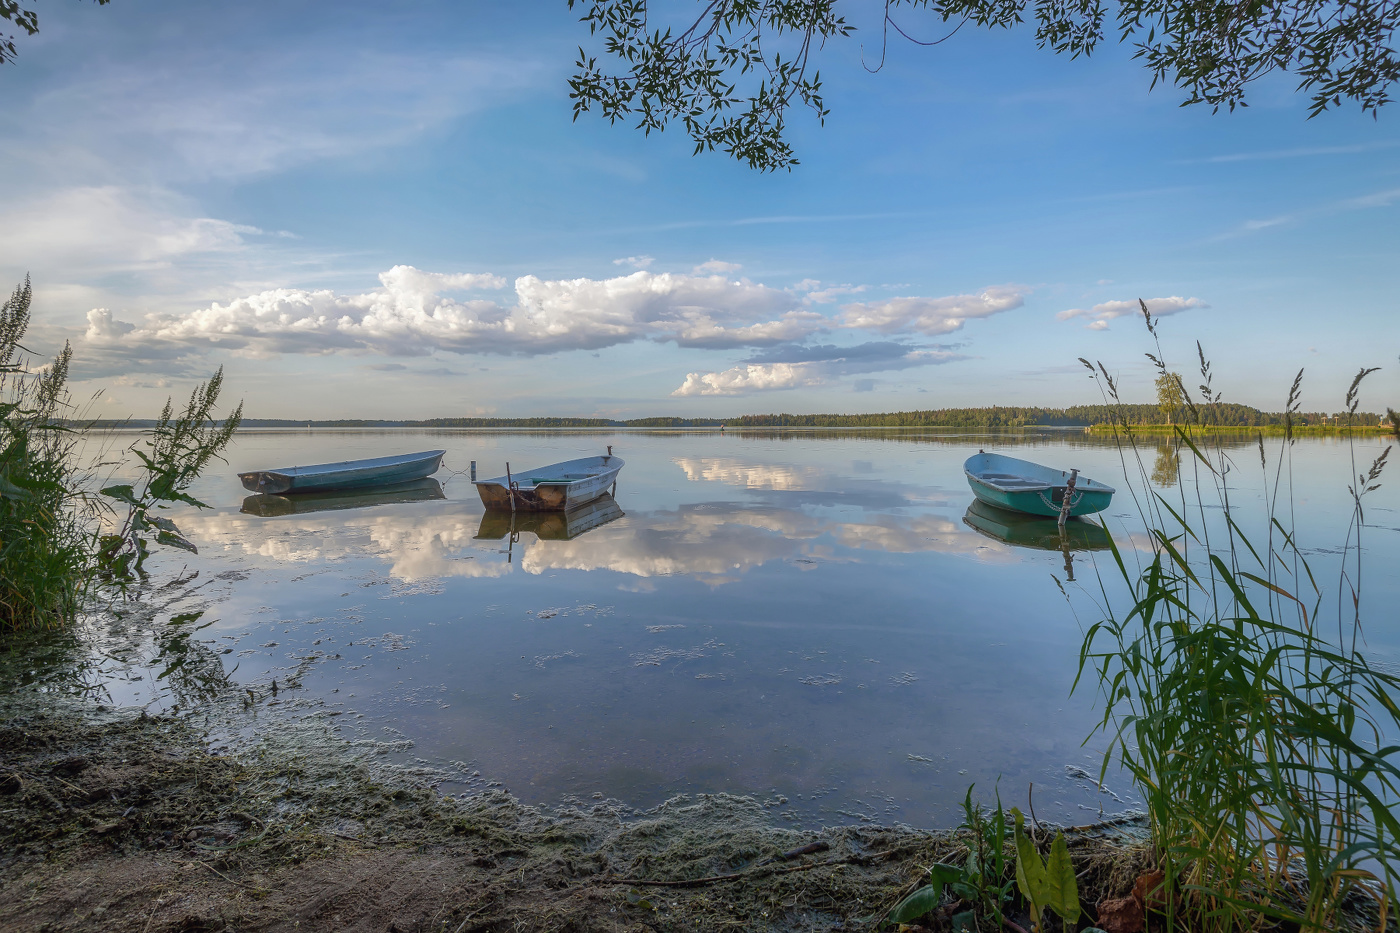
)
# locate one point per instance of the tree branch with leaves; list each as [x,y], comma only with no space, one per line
[28,20]
[724,77]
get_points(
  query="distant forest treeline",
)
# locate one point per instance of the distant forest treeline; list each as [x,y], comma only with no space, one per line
[1222,414]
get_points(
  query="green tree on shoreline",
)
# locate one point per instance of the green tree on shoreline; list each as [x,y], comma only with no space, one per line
[1170,397]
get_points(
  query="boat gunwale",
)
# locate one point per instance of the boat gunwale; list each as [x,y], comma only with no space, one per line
[347,466]
[999,488]
[1082,485]
[609,464]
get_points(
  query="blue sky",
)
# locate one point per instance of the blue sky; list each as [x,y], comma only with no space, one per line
[388,212]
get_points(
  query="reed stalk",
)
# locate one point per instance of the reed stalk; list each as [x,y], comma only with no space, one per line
[52,550]
[1239,698]
[43,531]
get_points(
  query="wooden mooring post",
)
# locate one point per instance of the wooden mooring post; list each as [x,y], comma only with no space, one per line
[1068,502]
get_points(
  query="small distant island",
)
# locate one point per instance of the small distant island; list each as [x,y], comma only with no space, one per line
[1150,417]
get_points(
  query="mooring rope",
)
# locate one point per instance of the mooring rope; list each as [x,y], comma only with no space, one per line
[1073,500]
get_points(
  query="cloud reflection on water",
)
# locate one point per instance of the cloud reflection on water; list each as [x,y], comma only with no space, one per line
[416,546]
[712,541]
[734,472]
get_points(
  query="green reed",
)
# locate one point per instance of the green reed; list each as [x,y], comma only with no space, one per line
[1237,696]
[51,546]
[43,539]
[172,456]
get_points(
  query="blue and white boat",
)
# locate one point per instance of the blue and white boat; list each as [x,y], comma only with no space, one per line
[347,474]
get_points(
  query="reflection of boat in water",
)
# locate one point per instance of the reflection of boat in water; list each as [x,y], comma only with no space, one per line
[557,487]
[347,474]
[1025,530]
[550,526]
[1046,534]
[1028,487]
[267,506]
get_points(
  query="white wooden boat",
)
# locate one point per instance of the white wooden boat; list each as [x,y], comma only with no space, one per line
[1023,486]
[348,474]
[558,487]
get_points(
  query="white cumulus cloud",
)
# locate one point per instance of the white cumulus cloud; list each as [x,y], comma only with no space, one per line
[795,367]
[1100,314]
[415,312]
[409,315]
[750,377]
[931,316]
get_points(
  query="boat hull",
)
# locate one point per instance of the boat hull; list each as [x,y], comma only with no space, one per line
[534,491]
[1022,486]
[348,474]
[1040,502]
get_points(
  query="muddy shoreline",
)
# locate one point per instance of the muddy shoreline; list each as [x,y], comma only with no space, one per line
[115,820]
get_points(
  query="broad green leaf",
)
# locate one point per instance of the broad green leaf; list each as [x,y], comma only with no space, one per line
[122,493]
[184,617]
[1030,870]
[917,904]
[965,922]
[142,552]
[1060,883]
[179,541]
[941,873]
[164,524]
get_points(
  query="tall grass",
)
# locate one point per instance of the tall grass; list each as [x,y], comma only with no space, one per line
[52,550]
[1238,695]
[44,540]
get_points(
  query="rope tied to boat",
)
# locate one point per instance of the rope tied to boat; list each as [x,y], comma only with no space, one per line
[1057,506]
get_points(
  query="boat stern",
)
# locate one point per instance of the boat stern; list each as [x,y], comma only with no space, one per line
[493,495]
[546,497]
[265,482]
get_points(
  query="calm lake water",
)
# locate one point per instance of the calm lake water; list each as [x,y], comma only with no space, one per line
[803,616]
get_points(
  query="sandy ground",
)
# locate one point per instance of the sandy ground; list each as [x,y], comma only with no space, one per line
[116,821]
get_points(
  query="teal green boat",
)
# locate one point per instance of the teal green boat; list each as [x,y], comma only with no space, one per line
[1022,486]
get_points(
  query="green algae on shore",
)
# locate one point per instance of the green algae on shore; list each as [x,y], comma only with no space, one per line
[119,820]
